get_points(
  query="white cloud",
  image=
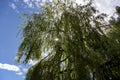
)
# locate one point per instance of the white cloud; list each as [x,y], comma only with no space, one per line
[19,70]
[26,1]
[29,3]
[19,73]
[44,0]
[32,62]
[9,67]
[13,6]
[80,1]
[24,70]
[35,3]
[106,6]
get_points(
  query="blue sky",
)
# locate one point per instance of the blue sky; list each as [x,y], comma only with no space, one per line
[10,21]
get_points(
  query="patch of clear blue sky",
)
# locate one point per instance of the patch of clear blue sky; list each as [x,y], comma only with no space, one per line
[9,22]
[9,42]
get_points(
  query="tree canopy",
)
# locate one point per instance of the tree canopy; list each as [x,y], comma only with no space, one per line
[70,42]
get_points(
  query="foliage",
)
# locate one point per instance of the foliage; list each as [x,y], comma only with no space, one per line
[112,66]
[73,38]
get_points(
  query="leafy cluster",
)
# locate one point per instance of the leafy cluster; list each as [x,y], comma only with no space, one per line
[74,39]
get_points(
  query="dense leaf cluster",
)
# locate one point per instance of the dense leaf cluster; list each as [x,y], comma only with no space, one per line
[75,41]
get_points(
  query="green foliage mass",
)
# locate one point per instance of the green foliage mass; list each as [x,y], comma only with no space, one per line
[75,41]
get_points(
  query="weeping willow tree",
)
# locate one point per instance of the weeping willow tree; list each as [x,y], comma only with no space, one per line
[67,40]
[111,68]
